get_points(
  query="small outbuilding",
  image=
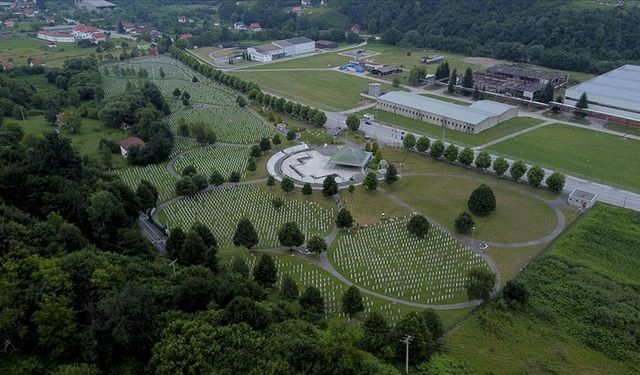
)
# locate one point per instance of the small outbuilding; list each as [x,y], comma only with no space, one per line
[581,199]
[127,143]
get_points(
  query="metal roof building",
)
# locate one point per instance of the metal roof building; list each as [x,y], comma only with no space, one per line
[351,157]
[475,118]
[616,92]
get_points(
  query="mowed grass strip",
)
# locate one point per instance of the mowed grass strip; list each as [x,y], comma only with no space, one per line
[518,217]
[327,90]
[367,207]
[579,151]
[420,127]
[316,61]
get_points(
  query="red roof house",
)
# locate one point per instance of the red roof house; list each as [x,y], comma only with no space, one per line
[37,62]
[10,22]
[255,26]
[186,36]
[7,65]
[127,143]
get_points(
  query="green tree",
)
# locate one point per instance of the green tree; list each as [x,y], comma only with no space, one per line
[547,94]
[417,74]
[480,283]
[106,215]
[451,152]
[423,144]
[234,176]
[189,171]
[555,182]
[265,144]
[265,273]
[271,181]
[352,301]
[452,82]
[535,175]
[317,245]
[395,82]
[193,249]
[583,101]
[175,241]
[392,174]
[290,235]
[353,122]
[437,149]
[466,156]
[311,301]
[464,222]
[409,141]
[515,291]
[518,169]
[306,189]
[500,166]
[245,310]
[413,324]
[287,184]
[186,186]
[147,194]
[344,219]
[418,225]
[483,160]
[377,334]
[467,80]
[482,201]
[276,140]
[251,165]
[177,93]
[55,322]
[245,234]
[216,179]
[433,322]
[370,181]
[329,186]
[289,288]
[291,135]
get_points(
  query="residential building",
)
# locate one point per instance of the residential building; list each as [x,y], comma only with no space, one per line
[126,144]
[128,26]
[186,36]
[254,26]
[7,65]
[615,93]
[185,19]
[475,118]
[99,37]
[37,62]
[10,22]
[239,25]
[84,32]
[95,5]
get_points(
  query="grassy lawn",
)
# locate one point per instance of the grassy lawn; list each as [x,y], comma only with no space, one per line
[317,60]
[398,56]
[355,137]
[20,49]
[444,198]
[579,151]
[578,318]
[623,128]
[328,90]
[368,207]
[447,99]
[86,141]
[504,128]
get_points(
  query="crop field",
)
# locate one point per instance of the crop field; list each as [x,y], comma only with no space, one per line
[222,209]
[222,158]
[579,151]
[230,124]
[387,259]
[582,314]
[420,127]
[327,90]
[331,288]
[156,174]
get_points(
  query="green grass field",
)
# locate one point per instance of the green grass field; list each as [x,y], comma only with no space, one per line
[581,316]
[398,56]
[503,129]
[386,258]
[367,207]
[579,151]
[623,128]
[323,60]
[328,90]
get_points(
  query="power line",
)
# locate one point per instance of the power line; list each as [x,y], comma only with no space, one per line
[407,339]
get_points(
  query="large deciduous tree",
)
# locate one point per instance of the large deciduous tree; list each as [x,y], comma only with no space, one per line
[418,225]
[265,273]
[245,234]
[290,235]
[482,201]
[352,301]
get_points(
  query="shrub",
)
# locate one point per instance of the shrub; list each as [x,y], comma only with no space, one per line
[409,141]
[518,169]
[418,225]
[555,182]
[500,166]
[464,222]
[535,176]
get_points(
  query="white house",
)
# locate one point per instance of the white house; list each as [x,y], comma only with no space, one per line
[581,199]
[126,144]
[239,25]
[265,53]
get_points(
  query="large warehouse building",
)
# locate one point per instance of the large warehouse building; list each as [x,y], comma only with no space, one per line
[475,118]
[282,48]
[615,93]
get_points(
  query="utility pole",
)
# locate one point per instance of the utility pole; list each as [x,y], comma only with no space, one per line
[407,339]
[174,265]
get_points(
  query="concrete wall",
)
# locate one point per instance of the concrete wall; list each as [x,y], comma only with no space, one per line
[305,48]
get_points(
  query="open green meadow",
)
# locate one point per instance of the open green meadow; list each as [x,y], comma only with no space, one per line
[156,174]
[579,151]
[367,207]
[386,258]
[222,209]
[327,90]
[582,315]
[320,60]
[420,127]
[222,158]
[627,129]
[21,48]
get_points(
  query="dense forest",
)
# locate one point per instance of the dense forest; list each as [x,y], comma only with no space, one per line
[559,34]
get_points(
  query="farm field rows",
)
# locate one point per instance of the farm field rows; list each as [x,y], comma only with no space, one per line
[579,151]
[580,317]
[386,258]
[420,127]
[222,158]
[222,209]
[327,90]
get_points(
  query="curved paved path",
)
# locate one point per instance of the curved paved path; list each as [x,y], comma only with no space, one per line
[552,203]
